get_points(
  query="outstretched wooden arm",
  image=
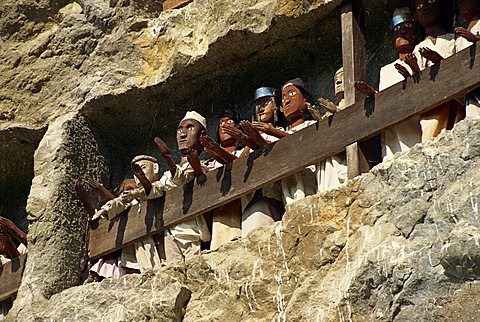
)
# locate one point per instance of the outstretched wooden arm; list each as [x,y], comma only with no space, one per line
[240,136]
[268,129]
[84,197]
[365,88]
[327,104]
[11,229]
[165,152]
[98,187]
[138,173]
[194,160]
[253,133]
[216,150]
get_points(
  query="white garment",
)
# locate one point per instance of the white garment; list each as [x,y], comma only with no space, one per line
[462,43]
[226,219]
[302,183]
[270,190]
[331,172]
[406,134]
[143,254]
[472,99]
[189,231]
[325,175]
[444,45]
[22,249]
[435,120]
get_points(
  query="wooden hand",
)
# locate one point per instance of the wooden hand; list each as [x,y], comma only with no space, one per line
[253,133]
[84,197]
[214,149]
[240,136]
[328,105]
[365,88]
[165,152]
[99,214]
[268,129]
[98,187]
[412,62]
[402,70]
[430,55]
[314,112]
[138,173]
[462,32]
[194,160]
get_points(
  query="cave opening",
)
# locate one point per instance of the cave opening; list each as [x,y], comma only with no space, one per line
[225,78]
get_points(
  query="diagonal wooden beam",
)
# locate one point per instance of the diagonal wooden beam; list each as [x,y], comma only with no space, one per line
[317,142]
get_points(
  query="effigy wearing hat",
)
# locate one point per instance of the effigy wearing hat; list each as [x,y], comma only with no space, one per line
[144,157]
[193,115]
[401,15]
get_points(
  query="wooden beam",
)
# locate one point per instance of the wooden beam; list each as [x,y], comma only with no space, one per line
[353,54]
[175,4]
[361,121]
[11,276]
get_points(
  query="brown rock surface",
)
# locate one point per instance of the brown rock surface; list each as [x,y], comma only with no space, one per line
[399,243]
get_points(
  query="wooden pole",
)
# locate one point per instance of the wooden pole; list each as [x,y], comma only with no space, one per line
[353,54]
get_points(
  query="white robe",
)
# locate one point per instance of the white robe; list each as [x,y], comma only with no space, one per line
[435,120]
[472,99]
[195,229]
[141,255]
[325,175]
[444,45]
[406,134]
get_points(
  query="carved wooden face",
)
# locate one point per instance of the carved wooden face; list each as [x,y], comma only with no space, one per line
[339,87]
[150,169]
[265,110]
[188,135]
[427,13]
[469,8]
[404,37]
[127,184]
[293,102]
[225,138]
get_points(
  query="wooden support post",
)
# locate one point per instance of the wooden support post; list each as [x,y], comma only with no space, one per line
[353,47]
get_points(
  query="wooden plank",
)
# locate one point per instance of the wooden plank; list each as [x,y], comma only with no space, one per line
[11,276]
[278,160]
[353,54]
[175,4]
[139,220]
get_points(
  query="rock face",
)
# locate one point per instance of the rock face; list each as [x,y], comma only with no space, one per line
[78,78]
[57,256]
[399,243]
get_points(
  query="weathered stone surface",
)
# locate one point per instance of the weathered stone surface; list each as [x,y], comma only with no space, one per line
[399,243]
[57,255]
[93,48]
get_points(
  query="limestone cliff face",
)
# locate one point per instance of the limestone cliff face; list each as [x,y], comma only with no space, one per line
[57,55]
[400,243]
[86,85]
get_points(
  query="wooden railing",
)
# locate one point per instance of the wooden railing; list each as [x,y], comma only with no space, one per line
[450,78]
